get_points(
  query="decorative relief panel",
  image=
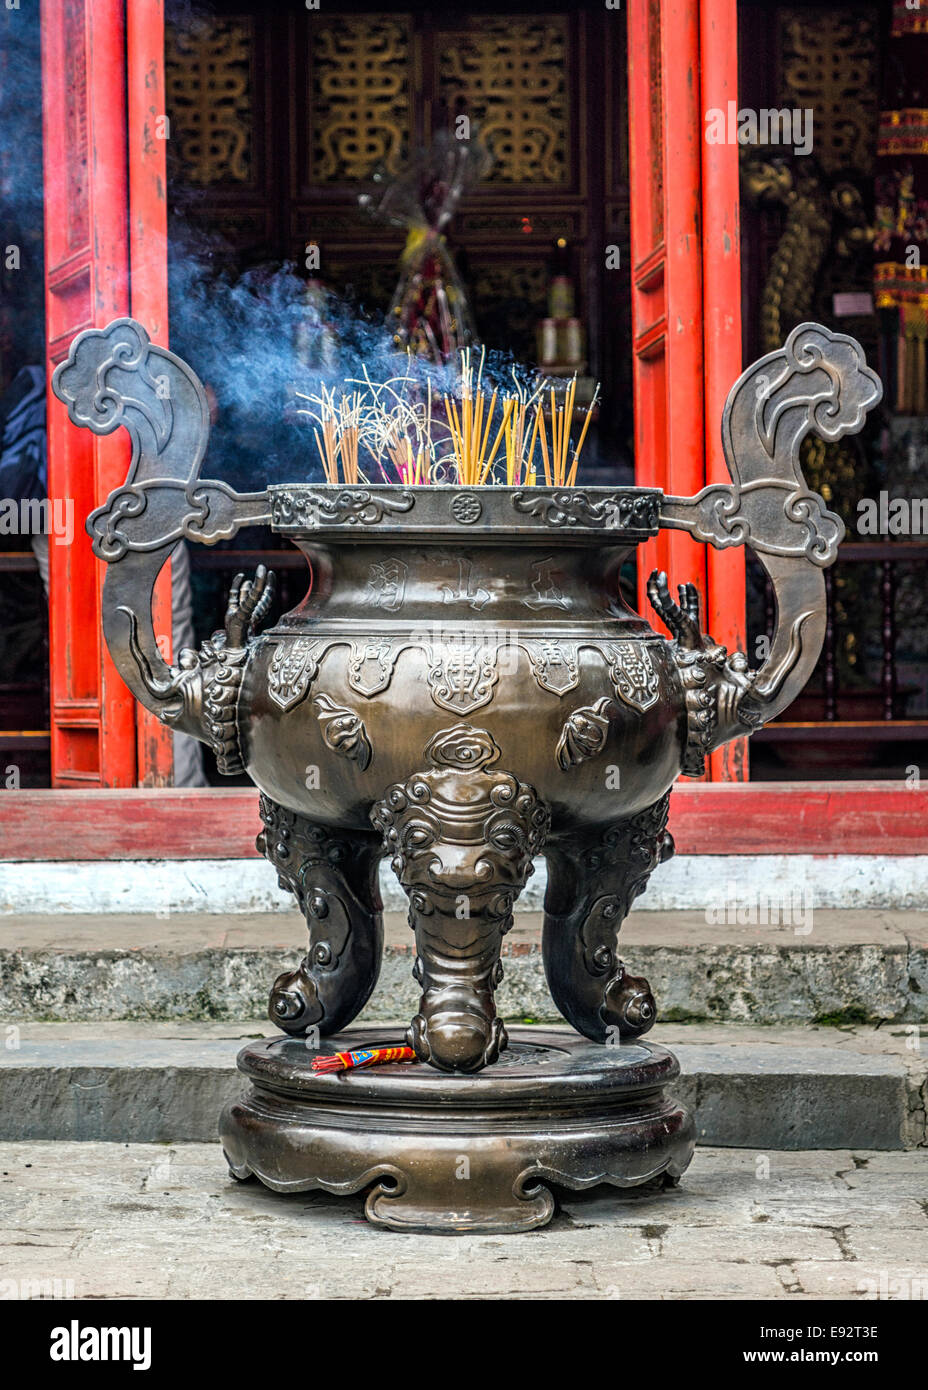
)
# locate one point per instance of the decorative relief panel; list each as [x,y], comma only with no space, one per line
[462,673]
[633,674]
[360,97]
[293,669]
[509,76]
[555,664]
[209,99]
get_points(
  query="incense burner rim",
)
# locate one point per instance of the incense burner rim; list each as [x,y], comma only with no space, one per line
[468,514]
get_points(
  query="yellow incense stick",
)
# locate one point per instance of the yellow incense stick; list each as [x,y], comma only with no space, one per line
[531,447]
[543,435]
[586,426]
[571,391]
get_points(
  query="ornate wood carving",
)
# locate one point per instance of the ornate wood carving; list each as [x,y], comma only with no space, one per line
[208,85]
[828,64]
[509,75]
[360,97]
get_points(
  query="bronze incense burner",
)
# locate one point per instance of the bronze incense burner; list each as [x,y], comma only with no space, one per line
[462,690]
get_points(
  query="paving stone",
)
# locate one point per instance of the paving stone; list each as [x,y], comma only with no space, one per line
[152,1221]
[757,1243]
[863,1281]
[875,1246]
[858,1209]
[699,1279]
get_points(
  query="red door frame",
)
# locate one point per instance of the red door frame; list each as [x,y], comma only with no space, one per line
[102,170]
[686,289]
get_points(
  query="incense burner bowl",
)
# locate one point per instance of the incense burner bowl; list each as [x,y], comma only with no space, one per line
[464,689]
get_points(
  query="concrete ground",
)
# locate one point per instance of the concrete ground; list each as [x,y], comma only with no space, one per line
[153,1221]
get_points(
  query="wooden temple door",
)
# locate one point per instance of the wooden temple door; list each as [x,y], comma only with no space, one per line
[105,216]
[686,290]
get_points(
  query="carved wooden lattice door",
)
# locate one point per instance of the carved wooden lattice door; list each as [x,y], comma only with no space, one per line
[686,290]
[102,160]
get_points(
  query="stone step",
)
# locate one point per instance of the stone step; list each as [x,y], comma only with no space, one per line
[840,967]
[758,1088]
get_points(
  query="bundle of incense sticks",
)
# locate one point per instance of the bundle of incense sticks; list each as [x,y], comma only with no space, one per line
[363,1057]
[393,422]
[398,427]
[340,426]
[469,436]
[349,426]
[555,461]
[519,456]
[407,459]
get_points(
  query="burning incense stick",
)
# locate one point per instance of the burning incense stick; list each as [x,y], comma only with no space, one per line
[337,436]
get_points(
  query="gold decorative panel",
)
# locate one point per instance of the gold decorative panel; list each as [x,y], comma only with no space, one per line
[209,99]
[360,97]
[508,76]
[828,64]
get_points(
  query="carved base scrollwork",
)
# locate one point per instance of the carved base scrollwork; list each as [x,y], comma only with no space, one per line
[592,884]
[335,879]
[462,840]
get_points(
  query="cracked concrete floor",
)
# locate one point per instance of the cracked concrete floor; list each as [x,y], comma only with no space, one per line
[165,1221]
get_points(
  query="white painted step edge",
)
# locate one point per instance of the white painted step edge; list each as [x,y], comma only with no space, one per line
[790,883]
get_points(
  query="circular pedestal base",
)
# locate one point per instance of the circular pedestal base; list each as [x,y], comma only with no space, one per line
[455,1153]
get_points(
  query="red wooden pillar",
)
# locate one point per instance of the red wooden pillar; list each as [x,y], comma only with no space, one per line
[721,274]
[686,291]
[98,167]
[148,293]
[87,284]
